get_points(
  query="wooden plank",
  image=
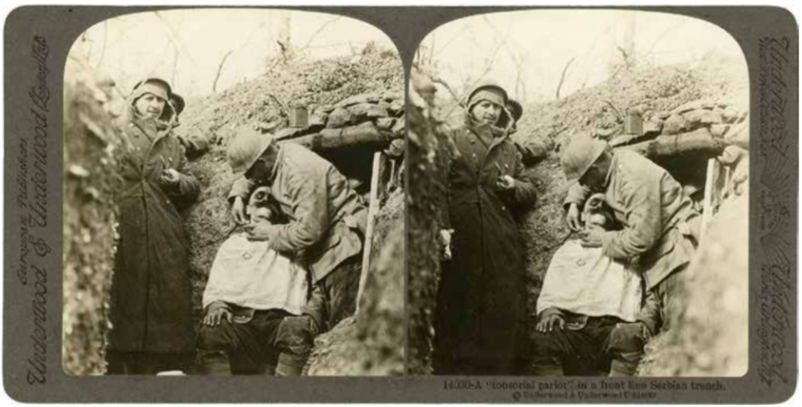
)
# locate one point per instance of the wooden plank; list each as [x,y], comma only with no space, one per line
[373,211]
[708,204]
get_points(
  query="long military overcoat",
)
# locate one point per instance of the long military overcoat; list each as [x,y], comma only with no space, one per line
[151,309]
[481,295]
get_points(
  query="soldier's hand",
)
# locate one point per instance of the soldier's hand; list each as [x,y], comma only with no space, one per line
[550,321]
[216,315]
[505,183]
[238,210]
[572,218]
[445,241]
[258,231]
[170,176]
[592,237]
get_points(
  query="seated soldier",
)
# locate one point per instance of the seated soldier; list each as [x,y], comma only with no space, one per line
[589,310]
[251,290]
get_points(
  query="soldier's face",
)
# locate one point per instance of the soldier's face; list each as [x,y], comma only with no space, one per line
[486,112]
[594,179]
[149,106]
[260,171]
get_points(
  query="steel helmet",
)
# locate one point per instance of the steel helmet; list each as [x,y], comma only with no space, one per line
[178,103]
[155,85]
[246,148]
[580,153]
[485,85]
[515,108]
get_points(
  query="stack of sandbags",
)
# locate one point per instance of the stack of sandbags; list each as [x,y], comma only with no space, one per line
[368,118]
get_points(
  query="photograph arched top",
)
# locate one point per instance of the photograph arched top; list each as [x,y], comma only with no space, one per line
[182,117]
[543,55]
[207,50]
[545,115]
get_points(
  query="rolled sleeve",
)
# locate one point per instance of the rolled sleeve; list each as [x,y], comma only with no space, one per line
[241,188]
[577,194]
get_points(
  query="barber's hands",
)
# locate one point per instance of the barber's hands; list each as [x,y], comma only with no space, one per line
[505,183]
[549,320]
[238,211]
[216,313]
[258,231]
[572,218]
[592,237]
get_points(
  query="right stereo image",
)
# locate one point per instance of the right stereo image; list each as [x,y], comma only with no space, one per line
[578,197]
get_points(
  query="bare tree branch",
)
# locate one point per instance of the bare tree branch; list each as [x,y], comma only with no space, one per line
[436,79]
[457,35]
[625,55]
[487,68]
[103,49]
[175,38]
[562,77]
[219,70]
[517,59]
[175,64]
[318,31]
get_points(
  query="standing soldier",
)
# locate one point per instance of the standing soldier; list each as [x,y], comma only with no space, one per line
[151,311]
[479,321]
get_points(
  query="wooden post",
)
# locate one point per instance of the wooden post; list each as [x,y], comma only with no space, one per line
[373,210]
[708,204]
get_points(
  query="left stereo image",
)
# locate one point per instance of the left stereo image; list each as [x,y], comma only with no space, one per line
[233,196]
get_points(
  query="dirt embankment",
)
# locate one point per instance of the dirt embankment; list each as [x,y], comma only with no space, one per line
[372,343]
[711,326]
[90,179]
[428,163]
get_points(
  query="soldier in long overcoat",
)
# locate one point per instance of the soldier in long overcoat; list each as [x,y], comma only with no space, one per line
[479,324]
[151,311]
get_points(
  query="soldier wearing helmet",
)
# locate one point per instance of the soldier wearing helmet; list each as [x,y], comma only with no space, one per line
[325,229]
[151,308]
[479,325]
[659,221]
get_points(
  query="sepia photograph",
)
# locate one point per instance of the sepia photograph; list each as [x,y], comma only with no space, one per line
[400,204]
[233,196]
[583,175]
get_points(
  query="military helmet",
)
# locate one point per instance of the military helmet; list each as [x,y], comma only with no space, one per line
[248,145]
[515,108]
[580,153]
[155,85]
[488,84]
[177,102]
